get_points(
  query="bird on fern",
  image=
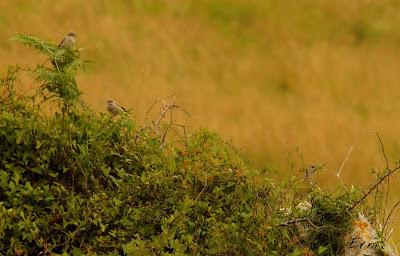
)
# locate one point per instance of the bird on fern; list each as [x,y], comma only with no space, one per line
[115,108]
[68,42]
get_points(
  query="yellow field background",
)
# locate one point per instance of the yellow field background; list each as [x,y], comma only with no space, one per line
[276,77]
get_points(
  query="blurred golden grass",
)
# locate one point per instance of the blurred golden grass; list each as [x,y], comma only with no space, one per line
[271,75]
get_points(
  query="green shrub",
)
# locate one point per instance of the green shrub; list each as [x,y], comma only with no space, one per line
[79,182]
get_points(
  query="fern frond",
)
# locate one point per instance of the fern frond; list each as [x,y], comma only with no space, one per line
[57,81]
[76,65]
[46,48]
[63,85]
[46,75]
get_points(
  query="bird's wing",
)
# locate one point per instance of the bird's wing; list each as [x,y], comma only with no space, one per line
[120,106]
[61,43]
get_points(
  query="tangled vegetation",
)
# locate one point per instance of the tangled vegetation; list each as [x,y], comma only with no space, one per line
[78,182]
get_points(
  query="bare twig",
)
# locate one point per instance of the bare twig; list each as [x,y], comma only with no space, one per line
[337,175]
[385,224]
[201,192]
[383,150]
[160,100]
[296,221]
[375,186]
[345,160]
[165,133]
[236,150]
[174,142]
[388,180]
[184,137]
[164,122]
[140,87]
[170,127]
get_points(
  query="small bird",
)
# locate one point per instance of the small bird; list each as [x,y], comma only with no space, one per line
[114,108]
[310,170]
[68,42]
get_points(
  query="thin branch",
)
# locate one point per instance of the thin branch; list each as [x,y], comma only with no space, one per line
[345,160]
[383,150]
[375,186]
[236,150]
[337,175]
[164,122]
[201,192]
[385,224]
[295,221]
[165,133]
[158,101]
[185,135]
[173,143]
[388,180]
[141,86]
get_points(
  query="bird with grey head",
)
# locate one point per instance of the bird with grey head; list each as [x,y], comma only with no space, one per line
[114,107]
[68,42]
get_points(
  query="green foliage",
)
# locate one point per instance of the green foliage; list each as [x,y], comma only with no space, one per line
[57,80]
[79,182]
[38,44]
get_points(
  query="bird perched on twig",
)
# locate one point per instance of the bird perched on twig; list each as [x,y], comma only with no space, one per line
[114,107]
[68,42]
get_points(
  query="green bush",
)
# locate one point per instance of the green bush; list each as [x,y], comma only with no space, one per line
[79,182]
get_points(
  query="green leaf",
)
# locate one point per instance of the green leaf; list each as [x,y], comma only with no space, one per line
[321,249]
[38,144]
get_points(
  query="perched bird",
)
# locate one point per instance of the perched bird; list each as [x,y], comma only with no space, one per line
[68,42]
[114,108]
[310,170]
